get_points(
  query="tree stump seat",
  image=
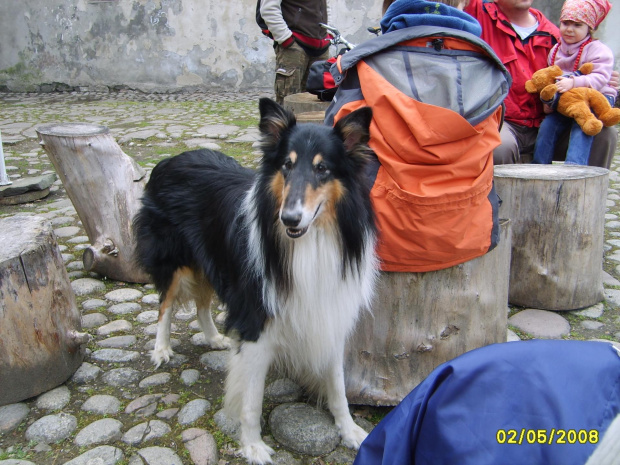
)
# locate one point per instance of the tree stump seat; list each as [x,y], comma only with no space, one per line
[105,186]
[40,339]
[557,214]
[317,117]
[304,102]
[421,320]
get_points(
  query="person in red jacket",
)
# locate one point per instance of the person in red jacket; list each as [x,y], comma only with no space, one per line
[522,37]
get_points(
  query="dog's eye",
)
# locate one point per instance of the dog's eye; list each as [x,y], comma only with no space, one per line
[321,169]
[288,165]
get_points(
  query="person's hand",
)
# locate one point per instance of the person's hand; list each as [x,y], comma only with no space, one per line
[614,80]
[564,84]
[547,109]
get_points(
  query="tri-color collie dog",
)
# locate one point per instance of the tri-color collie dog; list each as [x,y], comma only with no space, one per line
[289,248]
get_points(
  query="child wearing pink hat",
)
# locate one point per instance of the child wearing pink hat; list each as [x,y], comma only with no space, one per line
[577,46]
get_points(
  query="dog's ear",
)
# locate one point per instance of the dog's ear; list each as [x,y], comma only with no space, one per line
[273,120]
[354,130]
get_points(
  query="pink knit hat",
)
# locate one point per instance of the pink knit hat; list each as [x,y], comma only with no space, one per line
[590,12]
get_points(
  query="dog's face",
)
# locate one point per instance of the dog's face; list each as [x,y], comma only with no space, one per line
[309,162]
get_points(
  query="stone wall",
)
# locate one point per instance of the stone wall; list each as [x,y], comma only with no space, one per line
[151,45]
[161,45]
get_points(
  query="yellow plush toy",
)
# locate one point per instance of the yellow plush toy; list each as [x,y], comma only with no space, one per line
[577,102]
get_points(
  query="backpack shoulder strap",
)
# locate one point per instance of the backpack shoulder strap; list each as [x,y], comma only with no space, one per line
[261,22]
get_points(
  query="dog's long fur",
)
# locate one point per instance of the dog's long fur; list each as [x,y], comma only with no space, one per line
[289,249]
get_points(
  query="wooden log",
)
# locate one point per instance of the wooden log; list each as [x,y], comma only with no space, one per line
[105,186]
[40,341]
[557,214]
[317,117]
[304,102]
[421,320]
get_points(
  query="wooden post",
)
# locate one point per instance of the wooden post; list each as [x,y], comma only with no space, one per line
[105,186]
[316,117]
[557,214]
[304,102]
[421,320]
[40,342]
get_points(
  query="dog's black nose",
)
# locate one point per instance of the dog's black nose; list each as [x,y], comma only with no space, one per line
[290,218]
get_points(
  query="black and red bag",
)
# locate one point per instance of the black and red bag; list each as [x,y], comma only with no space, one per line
[320,81]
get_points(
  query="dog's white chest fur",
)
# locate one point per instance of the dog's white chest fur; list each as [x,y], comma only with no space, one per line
[323,304]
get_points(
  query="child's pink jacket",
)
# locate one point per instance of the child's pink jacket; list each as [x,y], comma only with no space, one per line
[597,53]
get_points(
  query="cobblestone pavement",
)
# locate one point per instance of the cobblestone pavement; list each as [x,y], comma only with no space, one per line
[117,408]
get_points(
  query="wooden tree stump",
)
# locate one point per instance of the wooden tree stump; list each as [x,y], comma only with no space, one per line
[557,214]
[317,117]
[105,186]
[304,102]
[40,342]
[421,320]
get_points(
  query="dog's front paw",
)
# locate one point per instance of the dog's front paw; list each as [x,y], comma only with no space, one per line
[257,453]
[220,342]
[353,436]
[161,355]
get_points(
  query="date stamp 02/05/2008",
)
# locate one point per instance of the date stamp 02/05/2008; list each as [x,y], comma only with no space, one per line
[546,436]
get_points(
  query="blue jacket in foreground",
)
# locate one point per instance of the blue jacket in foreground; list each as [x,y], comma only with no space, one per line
[469,410]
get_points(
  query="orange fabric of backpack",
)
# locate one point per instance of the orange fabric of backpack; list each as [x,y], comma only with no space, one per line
[433,191]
